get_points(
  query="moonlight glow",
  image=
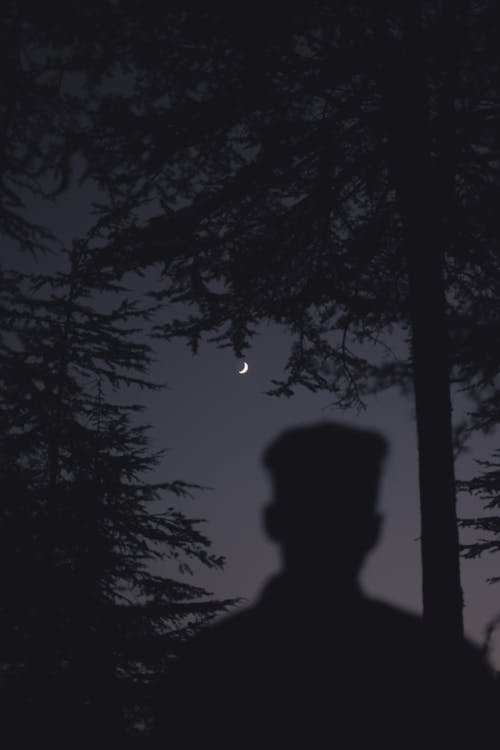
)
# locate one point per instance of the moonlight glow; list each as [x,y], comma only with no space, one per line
[244,369]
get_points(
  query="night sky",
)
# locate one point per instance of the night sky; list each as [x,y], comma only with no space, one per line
[214,425]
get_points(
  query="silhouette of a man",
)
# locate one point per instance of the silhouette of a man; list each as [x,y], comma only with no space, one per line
[317,664]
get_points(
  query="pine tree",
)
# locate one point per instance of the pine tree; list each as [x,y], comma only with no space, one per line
[486,487]
[87,628]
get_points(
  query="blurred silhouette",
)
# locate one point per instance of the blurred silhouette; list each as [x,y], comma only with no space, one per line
[315,662]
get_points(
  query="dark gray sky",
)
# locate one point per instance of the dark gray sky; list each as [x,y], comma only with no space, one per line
[214,424]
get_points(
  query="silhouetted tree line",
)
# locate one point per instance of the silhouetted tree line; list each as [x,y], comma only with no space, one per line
[330,168]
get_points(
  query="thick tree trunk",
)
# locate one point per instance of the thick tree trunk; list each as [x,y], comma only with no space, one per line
[423,210]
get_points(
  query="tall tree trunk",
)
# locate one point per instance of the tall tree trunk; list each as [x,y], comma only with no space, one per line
[423,209]
[441,589]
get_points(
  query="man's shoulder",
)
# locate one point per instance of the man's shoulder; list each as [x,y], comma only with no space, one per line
[369,611]
[373,625]
[384,614]
[262,625]
[223,634]
[405,626]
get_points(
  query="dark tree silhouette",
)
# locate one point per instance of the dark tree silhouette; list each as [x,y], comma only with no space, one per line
[87,629]
[486,487]
[33,152]
[338,176]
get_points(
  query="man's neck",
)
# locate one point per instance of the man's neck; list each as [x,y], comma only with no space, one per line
[289,584]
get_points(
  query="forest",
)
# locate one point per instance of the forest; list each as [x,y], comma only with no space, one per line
[332,168]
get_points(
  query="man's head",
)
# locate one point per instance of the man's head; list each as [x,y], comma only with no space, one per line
[323,513]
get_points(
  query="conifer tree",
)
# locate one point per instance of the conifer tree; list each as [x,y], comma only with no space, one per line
[86,627]
[485,486]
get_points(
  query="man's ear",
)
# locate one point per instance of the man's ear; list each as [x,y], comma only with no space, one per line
[272,522]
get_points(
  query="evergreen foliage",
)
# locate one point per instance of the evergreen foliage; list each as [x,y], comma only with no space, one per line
[271,173]
[87,629]
[486,486]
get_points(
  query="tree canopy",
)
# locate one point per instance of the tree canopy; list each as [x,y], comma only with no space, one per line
[261,176]
[270,170]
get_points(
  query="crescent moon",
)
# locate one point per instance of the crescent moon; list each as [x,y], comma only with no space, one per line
[243,369]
